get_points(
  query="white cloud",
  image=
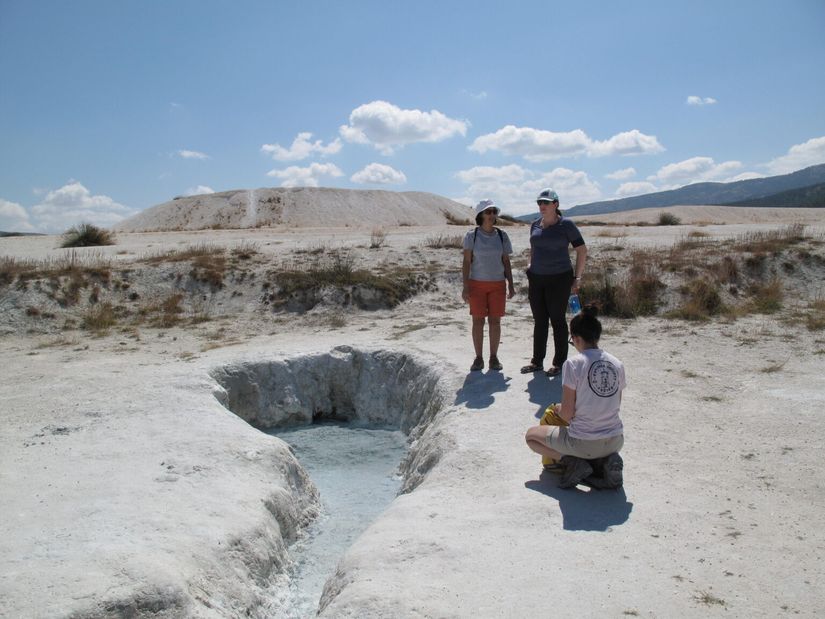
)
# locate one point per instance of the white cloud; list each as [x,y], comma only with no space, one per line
[632,142]
[199,190]
[694,170]
[192,154]
[509,173]
[379,174]
[14,218]
[694,100]
[626,190]
[744,176]
[799,156]
[621,175]
[540,145]
[478,96]
[310,176]
[515,189]
[386,126]
[73,204]
[301,148]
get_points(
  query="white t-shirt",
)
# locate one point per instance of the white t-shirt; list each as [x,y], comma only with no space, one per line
[598,378]
[487,248]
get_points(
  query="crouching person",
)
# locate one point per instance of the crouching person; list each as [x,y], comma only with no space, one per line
[592,384]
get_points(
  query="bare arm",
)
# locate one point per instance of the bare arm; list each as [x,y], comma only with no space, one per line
[581,258]
[567,410]
[465,274]
[508,274]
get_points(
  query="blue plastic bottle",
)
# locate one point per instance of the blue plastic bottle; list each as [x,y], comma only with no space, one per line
[573,304]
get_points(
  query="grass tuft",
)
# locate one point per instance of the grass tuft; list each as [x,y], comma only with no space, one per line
[87,235]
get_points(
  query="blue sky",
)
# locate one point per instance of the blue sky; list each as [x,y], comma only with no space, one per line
[110,107]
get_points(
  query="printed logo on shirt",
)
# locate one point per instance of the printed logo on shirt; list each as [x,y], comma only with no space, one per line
[603,378]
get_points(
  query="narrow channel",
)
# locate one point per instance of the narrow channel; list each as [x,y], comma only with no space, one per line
[356,472]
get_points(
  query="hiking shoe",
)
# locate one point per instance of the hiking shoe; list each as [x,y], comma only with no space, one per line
[613,466]
[575,470]
[478,364]
[495,364]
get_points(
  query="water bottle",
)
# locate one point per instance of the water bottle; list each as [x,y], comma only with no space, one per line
[573,304]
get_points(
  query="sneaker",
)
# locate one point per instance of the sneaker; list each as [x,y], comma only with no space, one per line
[478,364]
[613,468]
[495,364]
[575,470]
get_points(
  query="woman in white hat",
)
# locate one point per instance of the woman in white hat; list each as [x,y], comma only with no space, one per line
[551,279]
[486,271]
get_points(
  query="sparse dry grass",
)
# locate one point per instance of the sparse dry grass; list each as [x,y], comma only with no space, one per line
[708,599]
[445,241]
[198,250]
[771,241]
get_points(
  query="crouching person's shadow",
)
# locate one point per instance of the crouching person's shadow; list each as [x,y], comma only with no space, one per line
[584,510]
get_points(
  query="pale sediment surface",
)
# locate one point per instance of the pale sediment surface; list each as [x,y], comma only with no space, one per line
[128,488]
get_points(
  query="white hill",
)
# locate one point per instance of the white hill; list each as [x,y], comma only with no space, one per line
[297,207]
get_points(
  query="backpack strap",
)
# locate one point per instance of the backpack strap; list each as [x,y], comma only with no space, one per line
[500,238]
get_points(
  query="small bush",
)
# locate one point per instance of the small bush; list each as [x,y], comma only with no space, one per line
[668,219]
[245,250]
[377,238]
[702,300]
[455,221]
[99,317]
[767,297]
[87,235]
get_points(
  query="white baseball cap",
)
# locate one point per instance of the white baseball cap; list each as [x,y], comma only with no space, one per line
[547,195]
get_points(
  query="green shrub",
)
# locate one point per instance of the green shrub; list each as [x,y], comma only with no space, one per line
[87,235]
[668,219]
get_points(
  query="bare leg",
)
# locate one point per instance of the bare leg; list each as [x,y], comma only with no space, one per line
[495,336]
[536,440]
[478,335]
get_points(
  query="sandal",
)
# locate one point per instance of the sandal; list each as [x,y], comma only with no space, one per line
[478,364]
[553,371]
[531,367]
[495,364]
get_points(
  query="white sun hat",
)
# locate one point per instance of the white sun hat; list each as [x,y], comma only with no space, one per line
[484,205]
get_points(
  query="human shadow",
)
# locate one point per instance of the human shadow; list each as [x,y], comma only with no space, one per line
[479,387]
[543,390]
[584,510]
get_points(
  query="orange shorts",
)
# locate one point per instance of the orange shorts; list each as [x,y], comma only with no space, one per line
[487,298]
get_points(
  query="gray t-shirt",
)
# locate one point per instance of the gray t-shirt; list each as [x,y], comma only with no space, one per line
[487,248]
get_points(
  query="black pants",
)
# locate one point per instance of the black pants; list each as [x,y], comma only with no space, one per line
[548,296]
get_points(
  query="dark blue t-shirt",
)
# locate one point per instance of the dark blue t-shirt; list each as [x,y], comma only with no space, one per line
[549,246]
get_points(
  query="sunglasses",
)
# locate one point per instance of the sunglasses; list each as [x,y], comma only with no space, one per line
[490,212]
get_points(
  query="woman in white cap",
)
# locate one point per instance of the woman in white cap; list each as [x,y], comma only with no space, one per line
[486,270]
[551,278]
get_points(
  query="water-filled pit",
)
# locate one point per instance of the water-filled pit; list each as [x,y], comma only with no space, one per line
[349,417]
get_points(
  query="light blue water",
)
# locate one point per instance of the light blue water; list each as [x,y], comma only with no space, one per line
[356,473]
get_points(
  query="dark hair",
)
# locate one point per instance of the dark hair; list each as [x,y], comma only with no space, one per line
[480,218]
[586,325]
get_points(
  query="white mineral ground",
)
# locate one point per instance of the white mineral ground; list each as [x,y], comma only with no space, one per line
[127,489]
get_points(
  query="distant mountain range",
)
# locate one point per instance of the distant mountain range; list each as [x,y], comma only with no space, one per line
[803,188]
[812,196]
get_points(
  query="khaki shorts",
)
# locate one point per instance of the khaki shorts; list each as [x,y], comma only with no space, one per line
[488,298]
[589,449]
